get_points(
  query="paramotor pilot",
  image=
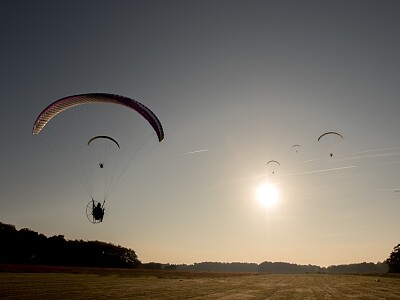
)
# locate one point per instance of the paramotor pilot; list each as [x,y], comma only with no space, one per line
[98,212]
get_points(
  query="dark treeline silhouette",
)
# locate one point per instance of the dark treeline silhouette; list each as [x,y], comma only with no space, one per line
[153,266]
[284,268]
[359,268]
[26,246]
[29,247]
[220,267]
[158,266]
[288,268]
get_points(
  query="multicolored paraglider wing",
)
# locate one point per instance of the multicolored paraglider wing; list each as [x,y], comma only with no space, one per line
[65,103]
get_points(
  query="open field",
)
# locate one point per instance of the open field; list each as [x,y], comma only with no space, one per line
[35,282]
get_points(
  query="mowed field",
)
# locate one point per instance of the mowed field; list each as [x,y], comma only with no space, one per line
[39,282]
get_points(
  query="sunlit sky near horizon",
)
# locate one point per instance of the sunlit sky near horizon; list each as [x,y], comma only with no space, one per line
[235,85]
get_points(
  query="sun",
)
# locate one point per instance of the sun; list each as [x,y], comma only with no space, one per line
[267,194]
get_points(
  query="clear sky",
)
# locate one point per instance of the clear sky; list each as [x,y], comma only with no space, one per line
[243,80]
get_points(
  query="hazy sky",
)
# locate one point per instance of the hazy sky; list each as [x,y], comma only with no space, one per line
[244,80]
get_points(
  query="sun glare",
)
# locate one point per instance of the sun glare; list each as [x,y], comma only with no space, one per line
[267,194]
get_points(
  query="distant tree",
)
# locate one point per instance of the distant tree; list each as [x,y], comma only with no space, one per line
[170,267]
[152,266]
[7,228]
[219,267]
[393,261]
[27,245]
[287,268]
[55,250]
[363,267]
[8,243]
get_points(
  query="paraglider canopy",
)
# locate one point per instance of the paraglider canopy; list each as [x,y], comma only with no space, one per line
[273,165]
[65,103]
[296,147]
[330,133]
[103,137]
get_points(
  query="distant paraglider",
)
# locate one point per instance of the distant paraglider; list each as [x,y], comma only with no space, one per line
[296,147]
[330,133]
[103,146]
[273,164]
[102,125]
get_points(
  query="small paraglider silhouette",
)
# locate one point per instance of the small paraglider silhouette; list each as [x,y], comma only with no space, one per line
[329,133]
[273,164]
[103,137]
[296,147]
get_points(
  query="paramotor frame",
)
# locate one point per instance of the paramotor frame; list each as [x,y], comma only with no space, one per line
[90,207]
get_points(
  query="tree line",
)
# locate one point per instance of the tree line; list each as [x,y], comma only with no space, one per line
[391,265]
[284,268]
[26,246]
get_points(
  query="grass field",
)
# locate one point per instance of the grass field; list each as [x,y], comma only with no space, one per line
[35,282]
